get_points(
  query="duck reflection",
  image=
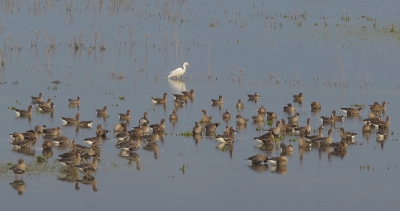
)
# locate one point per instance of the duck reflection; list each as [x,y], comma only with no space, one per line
[315,111]
[47,153]
[253,100]
[103,116]
[161,135]
[131,156]
[217,105]
[152,147]
[381,138]
[26,151]
[69,175]
[24,117]
[226,147]
[259,168]
[325,149]
[197,138]
[74,106]
[19,186]
[259,125]
[87,180]
[286,153]
[211,134]
[303,150]
[338,153]
[366,135]
[268,147]
[179,103]
[177,86]
[279,169]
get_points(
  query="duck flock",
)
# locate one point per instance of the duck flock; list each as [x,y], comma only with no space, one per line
[129,141]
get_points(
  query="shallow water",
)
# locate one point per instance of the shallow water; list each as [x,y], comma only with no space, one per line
[337,55]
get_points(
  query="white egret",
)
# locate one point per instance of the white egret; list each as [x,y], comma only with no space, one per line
[179,71]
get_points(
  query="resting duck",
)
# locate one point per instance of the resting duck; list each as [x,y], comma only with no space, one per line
[304,129]
[325,141]
[217,101]
[315,105]
[125,116]
[276,130]
[327,120]
[75,101]
[144,119]
[88,167]
[259,117]
[47,144]
[40,128]
[46,109]
[161,126]
[346,134]
[60,140]
[20,112]
[100,131]
[205,118]
[173,116]
[226,115]
[381,124]
[102,112]
[26,143]
[229,138]
[19,168]
[320,134]
[293,119]
[367,127]
[337,118]
[44,104]
[87,123]
[257,159]
[240,104]
[303,143]
[289,108]
[262,109]
[71,161]
[190,93]
[277,161]
[352,111]
[197,129]
[183,96]
[37,99]
[160,100]
[52,131]
[297,98]
[211,127]
[93,141]
[265,138]
[253,97]
[153,137]
[377,108]
[240,120]
[71,121]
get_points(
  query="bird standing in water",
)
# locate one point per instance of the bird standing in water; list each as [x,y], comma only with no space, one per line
[178,71]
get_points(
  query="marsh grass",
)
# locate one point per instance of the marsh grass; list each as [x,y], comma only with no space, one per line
[102,45]
[119,76]
[186,134]
[33,167]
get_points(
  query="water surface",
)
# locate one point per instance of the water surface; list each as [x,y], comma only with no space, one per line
[337,55]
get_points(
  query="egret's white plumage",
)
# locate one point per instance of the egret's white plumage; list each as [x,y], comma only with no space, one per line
[179,71]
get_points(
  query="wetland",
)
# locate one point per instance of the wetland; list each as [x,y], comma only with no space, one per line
[119,53]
